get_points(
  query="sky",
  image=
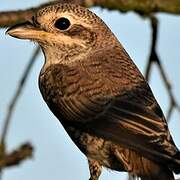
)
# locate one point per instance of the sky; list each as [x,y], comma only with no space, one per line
[55,156]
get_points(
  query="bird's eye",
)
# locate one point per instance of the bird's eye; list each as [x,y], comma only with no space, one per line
[62,23]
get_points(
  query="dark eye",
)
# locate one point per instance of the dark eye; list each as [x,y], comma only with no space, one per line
[62,23]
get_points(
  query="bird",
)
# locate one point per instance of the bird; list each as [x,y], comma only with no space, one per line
[98,94]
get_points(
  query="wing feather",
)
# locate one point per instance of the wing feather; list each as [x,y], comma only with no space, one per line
[115,102]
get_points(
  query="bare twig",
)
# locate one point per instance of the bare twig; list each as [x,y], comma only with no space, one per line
[144,7]
[25,150]
[9,18]
[153,58]
[17,94]
[16,156]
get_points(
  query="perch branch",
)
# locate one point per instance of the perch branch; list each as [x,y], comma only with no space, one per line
[153,58]
[14,158]
[144,7]
[9,18]
[17,94]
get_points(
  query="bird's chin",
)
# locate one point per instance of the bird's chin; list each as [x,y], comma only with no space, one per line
[25,30]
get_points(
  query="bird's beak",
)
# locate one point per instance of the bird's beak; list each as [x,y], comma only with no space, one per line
[24,30]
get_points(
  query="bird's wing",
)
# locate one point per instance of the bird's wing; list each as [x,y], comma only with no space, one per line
[129,115]
[107,96]
[136,127]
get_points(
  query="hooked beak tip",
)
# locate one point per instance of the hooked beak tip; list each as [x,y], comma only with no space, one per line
[21,31]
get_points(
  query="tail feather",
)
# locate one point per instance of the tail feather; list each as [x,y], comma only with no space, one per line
[139,166]
[163,174]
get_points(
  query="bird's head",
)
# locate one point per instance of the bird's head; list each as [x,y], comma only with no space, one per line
[64,31]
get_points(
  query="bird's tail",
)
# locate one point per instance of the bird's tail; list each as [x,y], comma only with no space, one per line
[162,174]
[139,166]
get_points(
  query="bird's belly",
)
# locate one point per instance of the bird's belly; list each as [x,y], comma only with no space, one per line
[96,148]
[111,155]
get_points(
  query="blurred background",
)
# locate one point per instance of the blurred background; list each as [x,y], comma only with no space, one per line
[55,156]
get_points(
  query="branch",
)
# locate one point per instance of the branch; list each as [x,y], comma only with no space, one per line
[25,150]
[14,158]
[9,18]
[144,7]
[153,58]
[17,94]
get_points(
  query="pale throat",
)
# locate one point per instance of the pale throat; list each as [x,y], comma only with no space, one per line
[63,55]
